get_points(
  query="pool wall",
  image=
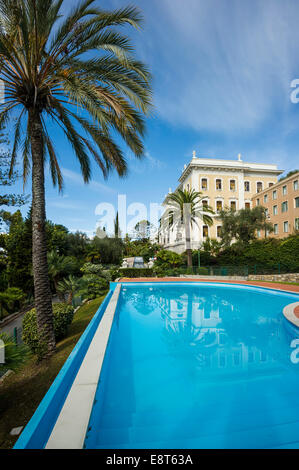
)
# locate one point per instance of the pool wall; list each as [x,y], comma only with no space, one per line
[39,428]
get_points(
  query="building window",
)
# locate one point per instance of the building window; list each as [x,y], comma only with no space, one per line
[259,186]
[296,225]
[205,231]
[257,202]
[274,194]
[219,184]
[284,206]
[204,184]
[275,210]
[286,227]
[219,231]
[232,185]
[247,205]
[204,203]
[266,198]
[266,213]
[271,184]
[295,185]
[296,201]
[284,190]
[275,229]
[218,206]
[258,234]
[246,186]
[233,205]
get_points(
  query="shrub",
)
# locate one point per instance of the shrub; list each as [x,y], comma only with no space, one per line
[94,286]
[62,317]
[136,272]
[15,355]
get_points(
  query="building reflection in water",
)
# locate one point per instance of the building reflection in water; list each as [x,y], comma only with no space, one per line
[223,334]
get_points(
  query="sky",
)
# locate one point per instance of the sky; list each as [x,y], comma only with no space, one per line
[222,73]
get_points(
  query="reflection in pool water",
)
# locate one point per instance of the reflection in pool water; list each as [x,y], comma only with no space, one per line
[197,366]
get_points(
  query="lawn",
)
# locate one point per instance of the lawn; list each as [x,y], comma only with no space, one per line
[21,393]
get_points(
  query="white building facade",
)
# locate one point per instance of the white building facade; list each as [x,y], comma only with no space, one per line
[223,184]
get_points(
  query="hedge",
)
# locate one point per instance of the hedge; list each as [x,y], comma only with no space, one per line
[136,272]
[62,317]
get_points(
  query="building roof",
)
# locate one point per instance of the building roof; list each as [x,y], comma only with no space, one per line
[219,164]
[277,185]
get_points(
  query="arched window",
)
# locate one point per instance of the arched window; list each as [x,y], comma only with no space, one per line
[246,186]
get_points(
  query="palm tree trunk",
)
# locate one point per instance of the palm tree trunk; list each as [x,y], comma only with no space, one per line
[188,240]
[42,291]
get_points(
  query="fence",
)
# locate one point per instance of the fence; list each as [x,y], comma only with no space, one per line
[232,270]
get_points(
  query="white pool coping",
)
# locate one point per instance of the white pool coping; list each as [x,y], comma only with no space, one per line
[289,313]
[71,426]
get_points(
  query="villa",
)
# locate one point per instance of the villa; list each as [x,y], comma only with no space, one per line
[224,184]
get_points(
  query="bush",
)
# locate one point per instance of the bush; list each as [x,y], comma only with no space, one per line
[136,272]
[62,317]
[94,286]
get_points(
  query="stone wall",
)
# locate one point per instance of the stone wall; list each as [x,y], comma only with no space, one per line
[290,277]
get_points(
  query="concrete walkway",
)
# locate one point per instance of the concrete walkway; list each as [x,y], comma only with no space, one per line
[271,285]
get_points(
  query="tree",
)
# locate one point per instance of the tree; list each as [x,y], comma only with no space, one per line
[8,179]
[69,286]
[143,230]
[185,208]
[59,266]
[79,73]
[242,225]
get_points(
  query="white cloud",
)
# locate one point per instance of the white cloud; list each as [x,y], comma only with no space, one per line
[227,66]
[78,179]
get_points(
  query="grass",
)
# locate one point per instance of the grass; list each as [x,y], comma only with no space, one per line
[21,393]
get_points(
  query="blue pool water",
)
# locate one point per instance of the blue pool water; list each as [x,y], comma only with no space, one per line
[197,366]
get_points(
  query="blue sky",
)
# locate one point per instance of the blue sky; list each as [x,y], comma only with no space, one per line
[222,73]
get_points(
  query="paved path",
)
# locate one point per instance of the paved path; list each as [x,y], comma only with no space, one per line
[271,285]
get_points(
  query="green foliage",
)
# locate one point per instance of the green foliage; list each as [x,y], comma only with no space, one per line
[15,355]
[242,225]
[93,286]
[69,287]
[110,250]
[168,259]
[11,300]
[143,248]
[90,268]
[135,272]
[62,317]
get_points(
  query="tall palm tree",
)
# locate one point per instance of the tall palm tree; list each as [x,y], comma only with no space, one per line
[185,208]
[80,74]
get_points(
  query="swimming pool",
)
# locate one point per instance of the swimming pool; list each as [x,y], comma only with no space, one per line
[197,366]
[192,365]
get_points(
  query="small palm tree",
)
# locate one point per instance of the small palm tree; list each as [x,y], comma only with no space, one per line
[184,208]
[59,265]
[69,286]
[79,74]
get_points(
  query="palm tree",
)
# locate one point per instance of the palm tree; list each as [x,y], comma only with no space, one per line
[59,265]
[184,208]
[80,74]
[69,286]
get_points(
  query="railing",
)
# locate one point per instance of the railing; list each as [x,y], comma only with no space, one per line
[243,271]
